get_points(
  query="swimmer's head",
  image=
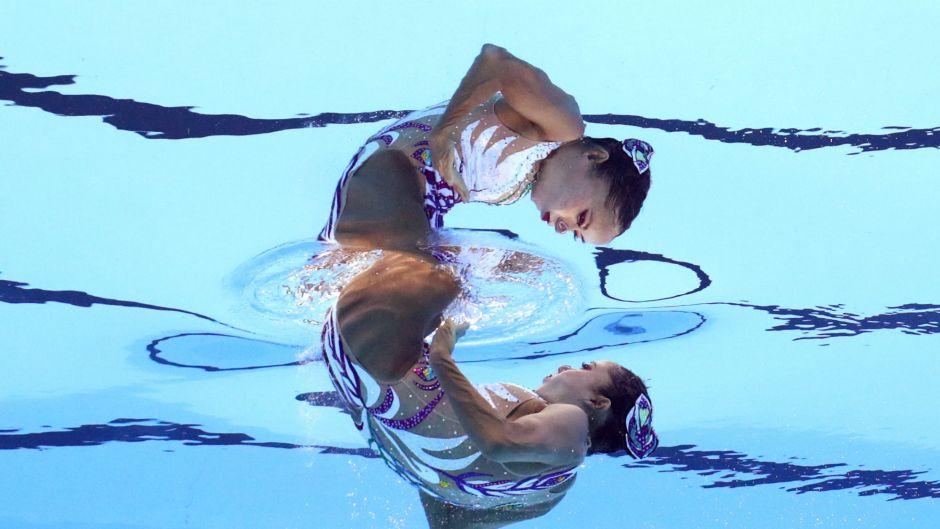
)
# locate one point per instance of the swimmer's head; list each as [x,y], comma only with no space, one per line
[593,187]
[629,426]
[616,401]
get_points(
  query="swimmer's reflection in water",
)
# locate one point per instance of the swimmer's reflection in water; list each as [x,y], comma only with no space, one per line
[480,456]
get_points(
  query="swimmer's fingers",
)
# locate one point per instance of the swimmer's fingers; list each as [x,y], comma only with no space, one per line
[442,157]
[461,329]
[459,186]
[445,339]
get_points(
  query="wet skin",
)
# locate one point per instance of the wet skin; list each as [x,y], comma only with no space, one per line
[571,198]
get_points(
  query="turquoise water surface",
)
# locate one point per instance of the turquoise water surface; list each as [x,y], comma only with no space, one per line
[164,169]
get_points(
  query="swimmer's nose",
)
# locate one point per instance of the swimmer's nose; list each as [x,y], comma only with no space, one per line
[560,226]
[564,368]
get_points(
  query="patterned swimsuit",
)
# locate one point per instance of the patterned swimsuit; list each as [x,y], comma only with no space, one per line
[410,424]
[496,164]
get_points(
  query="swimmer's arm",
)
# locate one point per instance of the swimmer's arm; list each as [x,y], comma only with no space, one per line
[525,88]
[553,436]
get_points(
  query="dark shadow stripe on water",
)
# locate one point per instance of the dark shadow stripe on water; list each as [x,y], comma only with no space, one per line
[788,138]
[900,484]
[158,355]
[823,322]
[14,292]
[160,122]
[605,258]
[146,430]
[829,321]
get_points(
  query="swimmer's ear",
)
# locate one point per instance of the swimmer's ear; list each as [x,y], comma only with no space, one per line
[596,153]
[600,403]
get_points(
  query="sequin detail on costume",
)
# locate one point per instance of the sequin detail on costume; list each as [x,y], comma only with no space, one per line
[439,196]
[386,403]
[409,454]
[490,176]
[474,483]
[410,125]
[423,155]
[424,372]
[414,420]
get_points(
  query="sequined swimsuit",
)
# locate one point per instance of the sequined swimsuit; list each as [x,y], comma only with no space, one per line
[411,426]
[496,164]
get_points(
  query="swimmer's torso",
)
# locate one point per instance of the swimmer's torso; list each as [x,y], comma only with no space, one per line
[412,426]
[497,164]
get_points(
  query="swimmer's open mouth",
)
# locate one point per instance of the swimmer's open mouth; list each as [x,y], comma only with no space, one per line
[546,217]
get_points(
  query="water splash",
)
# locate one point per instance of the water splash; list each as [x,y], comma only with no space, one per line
[508,289]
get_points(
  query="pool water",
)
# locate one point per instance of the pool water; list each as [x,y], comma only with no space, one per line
[163,170]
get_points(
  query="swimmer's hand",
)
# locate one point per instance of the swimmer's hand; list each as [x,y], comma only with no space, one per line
[443,143]
[445,339]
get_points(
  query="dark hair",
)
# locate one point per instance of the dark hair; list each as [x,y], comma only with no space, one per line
[628,188]
[623,391]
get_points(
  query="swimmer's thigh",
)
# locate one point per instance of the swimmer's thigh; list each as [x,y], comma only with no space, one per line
[384,205]
[386,312]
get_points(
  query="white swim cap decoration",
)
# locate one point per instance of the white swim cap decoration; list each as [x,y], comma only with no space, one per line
[640,152]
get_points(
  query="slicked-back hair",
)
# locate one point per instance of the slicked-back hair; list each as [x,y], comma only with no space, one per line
[623,391]
[628,188]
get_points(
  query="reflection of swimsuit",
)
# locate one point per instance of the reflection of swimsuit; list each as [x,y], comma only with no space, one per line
[412,426]
[496,164]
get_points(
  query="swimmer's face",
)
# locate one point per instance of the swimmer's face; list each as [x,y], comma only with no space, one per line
[574,385]
[571,199]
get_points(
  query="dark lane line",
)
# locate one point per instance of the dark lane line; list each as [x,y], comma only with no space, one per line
[14,292]
[144,430]
[159,122]
[823,322]
[736,469]
[900,484]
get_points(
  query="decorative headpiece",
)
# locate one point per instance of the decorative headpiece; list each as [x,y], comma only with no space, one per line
[641,438]
[640,152]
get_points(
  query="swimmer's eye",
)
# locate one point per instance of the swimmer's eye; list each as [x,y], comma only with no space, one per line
[585,365]
[581,218]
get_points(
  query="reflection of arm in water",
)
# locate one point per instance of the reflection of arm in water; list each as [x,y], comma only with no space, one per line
[552,436]
[532,101]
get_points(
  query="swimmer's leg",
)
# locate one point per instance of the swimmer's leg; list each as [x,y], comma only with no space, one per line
[384,204]
[386,312]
